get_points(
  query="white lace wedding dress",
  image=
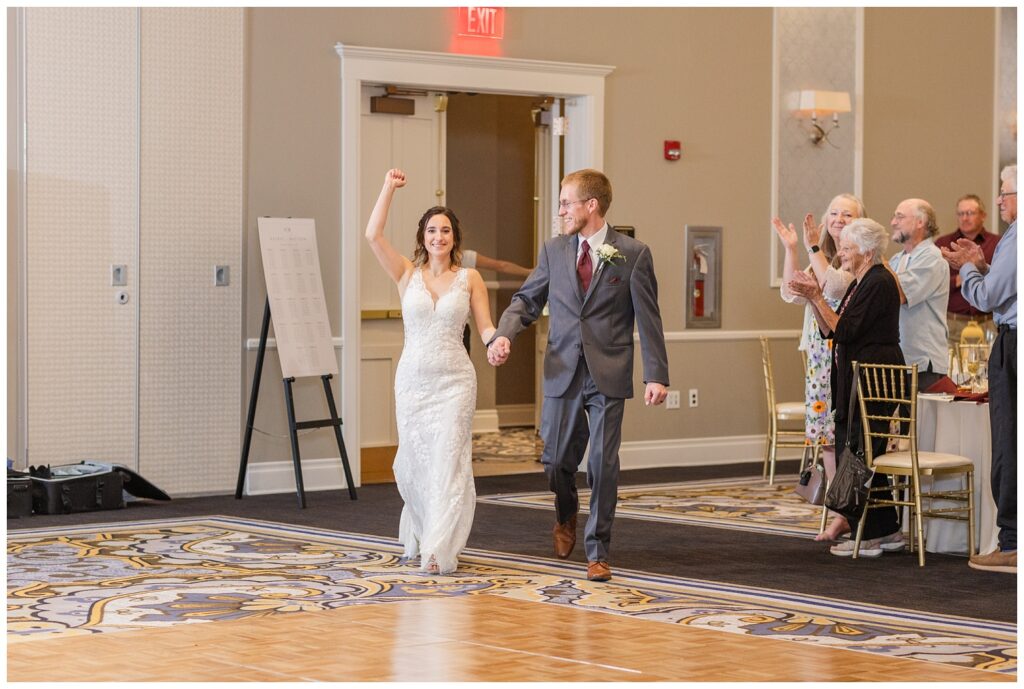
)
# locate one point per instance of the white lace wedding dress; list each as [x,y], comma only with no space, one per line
[435,397]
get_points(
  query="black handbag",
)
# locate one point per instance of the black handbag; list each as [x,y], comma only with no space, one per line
[848,492]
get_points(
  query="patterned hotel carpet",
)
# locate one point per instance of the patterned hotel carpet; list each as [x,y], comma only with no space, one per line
[148,574]
[519,444]
[746,504]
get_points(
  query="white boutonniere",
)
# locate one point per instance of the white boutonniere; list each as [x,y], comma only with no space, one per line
[606,253]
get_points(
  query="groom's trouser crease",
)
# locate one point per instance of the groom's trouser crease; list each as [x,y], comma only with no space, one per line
[568,423]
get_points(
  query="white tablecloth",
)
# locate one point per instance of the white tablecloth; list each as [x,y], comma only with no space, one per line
[960,428]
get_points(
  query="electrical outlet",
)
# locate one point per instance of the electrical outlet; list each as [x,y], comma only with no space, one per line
[693,397]
[672,399]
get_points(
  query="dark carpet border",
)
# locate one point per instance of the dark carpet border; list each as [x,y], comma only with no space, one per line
[945,585]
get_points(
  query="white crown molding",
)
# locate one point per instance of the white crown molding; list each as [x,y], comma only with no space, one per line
[469,61]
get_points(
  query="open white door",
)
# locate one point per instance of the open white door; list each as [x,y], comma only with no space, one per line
[414,143]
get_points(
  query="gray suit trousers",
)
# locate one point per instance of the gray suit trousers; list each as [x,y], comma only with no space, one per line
[581,415]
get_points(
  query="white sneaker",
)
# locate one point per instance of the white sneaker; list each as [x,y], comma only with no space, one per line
[870,548]
[893,543]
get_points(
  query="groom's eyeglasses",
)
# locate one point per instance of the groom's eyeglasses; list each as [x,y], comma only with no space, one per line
[564,205]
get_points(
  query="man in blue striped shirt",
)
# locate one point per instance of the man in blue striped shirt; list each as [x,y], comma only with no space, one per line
[994,288]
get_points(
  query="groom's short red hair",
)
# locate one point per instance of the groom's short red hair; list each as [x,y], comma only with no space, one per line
[592,184]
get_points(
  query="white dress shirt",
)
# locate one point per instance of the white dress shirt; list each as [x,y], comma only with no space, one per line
[924,279]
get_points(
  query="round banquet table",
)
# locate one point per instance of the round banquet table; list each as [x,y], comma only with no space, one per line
[959,428]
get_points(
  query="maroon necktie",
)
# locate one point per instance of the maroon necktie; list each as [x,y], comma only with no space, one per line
[584,268]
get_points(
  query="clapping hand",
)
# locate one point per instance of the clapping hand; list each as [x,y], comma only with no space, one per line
[962,252]
[498,351]
[804,285]
[786,234]
[812,232]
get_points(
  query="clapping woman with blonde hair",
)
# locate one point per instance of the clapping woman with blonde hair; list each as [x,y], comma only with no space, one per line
[820,242]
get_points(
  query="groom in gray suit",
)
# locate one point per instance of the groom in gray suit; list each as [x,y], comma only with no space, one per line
[598,283]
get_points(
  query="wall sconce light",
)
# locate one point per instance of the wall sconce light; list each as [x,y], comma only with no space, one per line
[814,103]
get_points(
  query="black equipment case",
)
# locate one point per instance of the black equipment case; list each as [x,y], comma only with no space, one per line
[86,486]
[19,494]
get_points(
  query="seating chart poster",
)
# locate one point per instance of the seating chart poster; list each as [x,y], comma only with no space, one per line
[291,266]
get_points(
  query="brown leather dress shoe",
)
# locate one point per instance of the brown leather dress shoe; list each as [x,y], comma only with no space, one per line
[996,561]
[598,571]
[565,537]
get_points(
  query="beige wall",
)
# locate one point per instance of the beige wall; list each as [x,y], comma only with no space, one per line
[699,75]
[668,83]
[928,109]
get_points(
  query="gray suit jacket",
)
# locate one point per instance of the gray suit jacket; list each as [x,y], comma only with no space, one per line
[597,325]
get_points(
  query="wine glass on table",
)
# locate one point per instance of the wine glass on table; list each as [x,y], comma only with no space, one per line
[972,356]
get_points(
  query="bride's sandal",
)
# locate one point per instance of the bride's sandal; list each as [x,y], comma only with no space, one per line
[432,566]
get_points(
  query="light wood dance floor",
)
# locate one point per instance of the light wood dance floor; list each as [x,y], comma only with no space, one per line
[466,638]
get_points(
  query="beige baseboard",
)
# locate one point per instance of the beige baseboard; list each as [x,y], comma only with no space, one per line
[515,415]
[374,463]
[485,421]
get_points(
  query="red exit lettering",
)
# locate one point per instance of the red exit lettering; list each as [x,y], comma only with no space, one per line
[482,22]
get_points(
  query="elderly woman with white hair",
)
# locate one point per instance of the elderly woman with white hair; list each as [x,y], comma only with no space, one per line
[865,328]
[821,242]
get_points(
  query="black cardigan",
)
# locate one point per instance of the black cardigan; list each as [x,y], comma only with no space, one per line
[868,331]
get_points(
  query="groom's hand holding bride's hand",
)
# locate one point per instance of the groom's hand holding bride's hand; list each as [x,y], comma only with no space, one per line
[498,351]
[655,394]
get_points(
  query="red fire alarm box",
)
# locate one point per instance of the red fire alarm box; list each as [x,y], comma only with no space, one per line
[673,150]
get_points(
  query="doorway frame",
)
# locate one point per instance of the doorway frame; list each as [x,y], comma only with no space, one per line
[582,85]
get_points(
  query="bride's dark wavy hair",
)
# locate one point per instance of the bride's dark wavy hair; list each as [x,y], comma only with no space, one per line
[419,255]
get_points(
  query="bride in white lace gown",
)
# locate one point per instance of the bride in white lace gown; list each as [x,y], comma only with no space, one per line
[435,384]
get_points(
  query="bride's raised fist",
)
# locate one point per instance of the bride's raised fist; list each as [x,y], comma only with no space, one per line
[395,178]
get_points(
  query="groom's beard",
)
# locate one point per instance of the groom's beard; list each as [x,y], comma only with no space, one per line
[573,226]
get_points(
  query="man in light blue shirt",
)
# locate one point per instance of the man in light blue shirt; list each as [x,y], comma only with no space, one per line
[994,288]
[924,290]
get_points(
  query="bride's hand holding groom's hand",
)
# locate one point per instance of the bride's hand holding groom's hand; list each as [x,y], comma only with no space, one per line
[498,351]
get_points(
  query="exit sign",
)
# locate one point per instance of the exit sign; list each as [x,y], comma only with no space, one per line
[482,22]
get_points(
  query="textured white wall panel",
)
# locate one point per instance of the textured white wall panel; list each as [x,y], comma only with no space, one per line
[81,193]
[1006,88]
[191,220]
[815,49]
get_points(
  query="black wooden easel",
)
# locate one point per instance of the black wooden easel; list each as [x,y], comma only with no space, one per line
[293,425]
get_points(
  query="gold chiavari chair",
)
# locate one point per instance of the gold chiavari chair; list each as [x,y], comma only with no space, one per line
[779,412]
[896,388]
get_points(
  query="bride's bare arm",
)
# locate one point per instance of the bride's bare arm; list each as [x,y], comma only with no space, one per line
[393,263]
[480,306]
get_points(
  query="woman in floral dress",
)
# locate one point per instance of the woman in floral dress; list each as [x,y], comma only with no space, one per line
[821,245]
